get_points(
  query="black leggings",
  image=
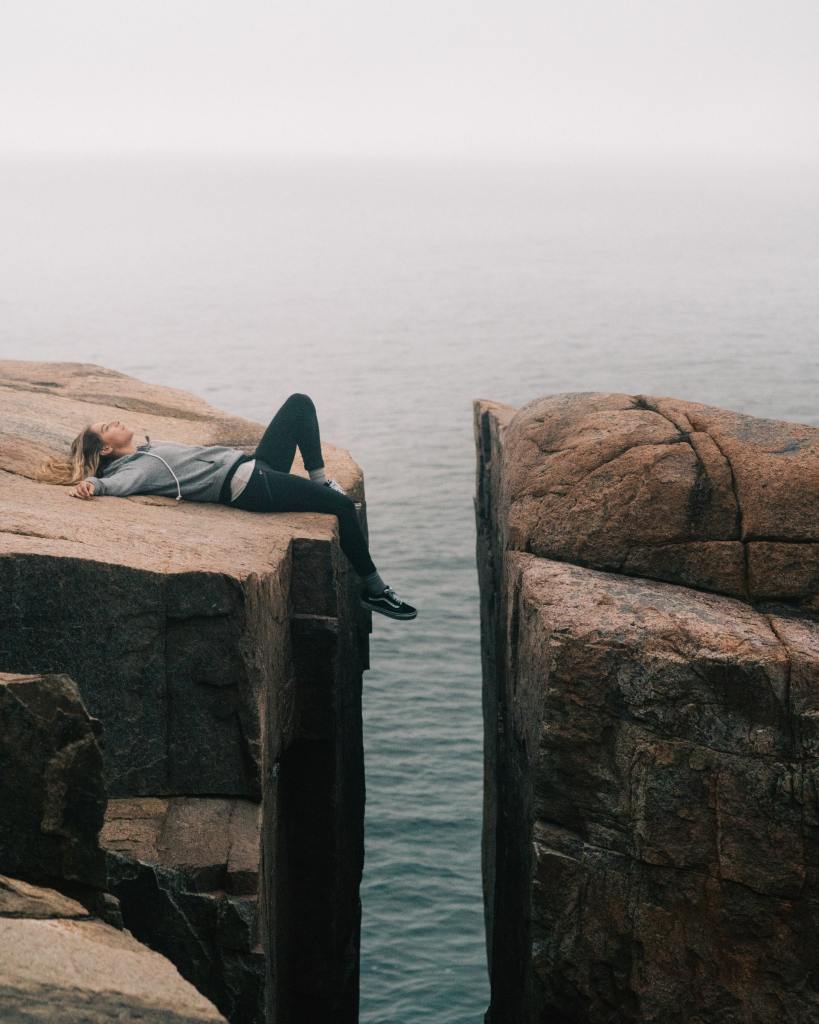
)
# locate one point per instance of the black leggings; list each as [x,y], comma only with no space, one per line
[272,488]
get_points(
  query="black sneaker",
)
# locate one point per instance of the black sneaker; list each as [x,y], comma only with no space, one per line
[388,603]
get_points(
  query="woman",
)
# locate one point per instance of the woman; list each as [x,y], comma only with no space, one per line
[105,461]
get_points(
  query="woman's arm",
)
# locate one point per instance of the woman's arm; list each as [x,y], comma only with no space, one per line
[125,481]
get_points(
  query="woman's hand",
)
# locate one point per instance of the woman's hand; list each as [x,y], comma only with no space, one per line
[84,489]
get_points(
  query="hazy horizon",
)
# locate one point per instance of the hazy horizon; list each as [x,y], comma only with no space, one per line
[725,80]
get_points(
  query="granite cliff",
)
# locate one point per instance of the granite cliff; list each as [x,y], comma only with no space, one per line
[221,653]
[649,571]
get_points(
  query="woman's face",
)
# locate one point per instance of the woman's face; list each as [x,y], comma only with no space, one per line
[115,435]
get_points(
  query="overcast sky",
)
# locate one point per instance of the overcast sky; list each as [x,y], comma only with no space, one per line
[505,78]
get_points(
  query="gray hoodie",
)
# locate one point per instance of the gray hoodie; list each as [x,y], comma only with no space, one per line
[193,471]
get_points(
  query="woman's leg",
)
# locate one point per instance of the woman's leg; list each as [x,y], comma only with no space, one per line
[271,490]
[295,424]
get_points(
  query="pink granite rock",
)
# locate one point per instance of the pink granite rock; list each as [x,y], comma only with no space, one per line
[651,822]
[222,652]
[662,488]
[61,963]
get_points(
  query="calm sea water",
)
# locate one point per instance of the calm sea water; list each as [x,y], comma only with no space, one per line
[394,294]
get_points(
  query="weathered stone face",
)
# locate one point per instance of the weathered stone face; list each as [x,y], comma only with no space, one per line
[674,804]
[160,659]
[668,489]
[651,826]
[52,796]
[214,841]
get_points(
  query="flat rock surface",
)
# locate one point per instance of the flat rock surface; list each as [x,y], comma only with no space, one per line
[664,488]
[35,425]
[60,964]
[213,842]
[21,899]
[43,406]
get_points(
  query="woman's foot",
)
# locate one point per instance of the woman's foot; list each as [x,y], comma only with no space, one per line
[334,485]
[388,603]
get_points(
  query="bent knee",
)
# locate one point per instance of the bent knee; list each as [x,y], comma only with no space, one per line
[297,398]
[343,504]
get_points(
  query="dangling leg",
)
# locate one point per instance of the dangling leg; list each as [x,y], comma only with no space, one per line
[295,424]
[270,490]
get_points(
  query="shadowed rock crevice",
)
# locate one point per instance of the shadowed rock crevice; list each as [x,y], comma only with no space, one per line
[746,593]
[787,689]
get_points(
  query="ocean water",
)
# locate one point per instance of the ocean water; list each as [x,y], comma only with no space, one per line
[394,294]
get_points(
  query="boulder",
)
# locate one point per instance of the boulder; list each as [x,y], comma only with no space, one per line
[662,488]
[651,820]
[61,963]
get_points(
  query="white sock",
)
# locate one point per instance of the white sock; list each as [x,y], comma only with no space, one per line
[318,475]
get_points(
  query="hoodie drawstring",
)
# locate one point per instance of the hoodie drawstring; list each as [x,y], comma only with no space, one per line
[178,488]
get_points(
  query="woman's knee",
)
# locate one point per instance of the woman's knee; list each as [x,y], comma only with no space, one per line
[297,398]
[344,505]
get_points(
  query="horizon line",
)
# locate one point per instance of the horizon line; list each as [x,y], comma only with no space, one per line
[570,157]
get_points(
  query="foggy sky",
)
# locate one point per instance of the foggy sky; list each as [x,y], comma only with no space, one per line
[497,78]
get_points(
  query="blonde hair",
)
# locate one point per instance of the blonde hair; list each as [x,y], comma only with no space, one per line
[83,460]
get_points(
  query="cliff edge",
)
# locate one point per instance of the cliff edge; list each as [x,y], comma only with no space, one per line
[222,653]
[649,571]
